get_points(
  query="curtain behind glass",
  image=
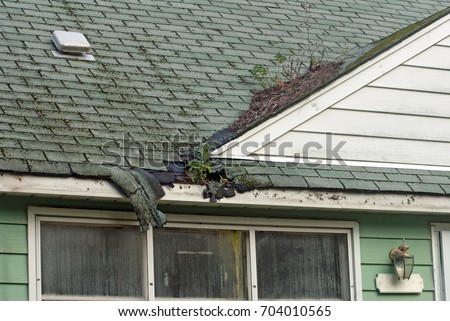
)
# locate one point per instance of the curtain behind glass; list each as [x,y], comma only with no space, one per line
[302,266]
[191,263]
[83,260]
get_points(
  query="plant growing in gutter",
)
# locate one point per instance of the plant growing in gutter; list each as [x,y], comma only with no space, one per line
[201,166]
[209,172]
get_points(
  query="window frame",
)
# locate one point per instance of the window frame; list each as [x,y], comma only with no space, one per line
[442,293]
[82,221]
[250,224]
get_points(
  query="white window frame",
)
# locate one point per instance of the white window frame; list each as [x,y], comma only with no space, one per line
[38,214]
[77,217]
[441,285]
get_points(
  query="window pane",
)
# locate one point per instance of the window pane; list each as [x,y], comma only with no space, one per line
[302,266]
[82,260]
[191,263]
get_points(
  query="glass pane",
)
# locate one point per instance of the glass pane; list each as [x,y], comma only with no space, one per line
[191,263]
[83,260]
[302,266]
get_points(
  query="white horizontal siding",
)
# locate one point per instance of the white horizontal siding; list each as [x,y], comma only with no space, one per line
[397,101]
[445,42]
[416,78]
[360,123]
[434,57]
[358,148]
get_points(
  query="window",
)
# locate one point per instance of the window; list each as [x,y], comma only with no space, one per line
[215,259]
[80,260]
[441,260]
[85,255]
[294,265]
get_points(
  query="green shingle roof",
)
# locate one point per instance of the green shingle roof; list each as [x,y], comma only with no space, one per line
[163,68]
[370,179]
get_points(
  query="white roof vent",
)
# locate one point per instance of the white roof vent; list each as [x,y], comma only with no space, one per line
[72,45]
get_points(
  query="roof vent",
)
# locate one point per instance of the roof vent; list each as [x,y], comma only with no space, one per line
[72,45]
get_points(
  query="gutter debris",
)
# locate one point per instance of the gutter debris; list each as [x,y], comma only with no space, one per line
[217,190]
[267,102]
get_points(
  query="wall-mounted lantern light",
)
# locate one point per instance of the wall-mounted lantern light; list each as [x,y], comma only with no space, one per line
[403,281]
[402,260]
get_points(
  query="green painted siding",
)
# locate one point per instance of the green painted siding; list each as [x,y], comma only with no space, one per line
[376,250]
[373,296]
[13,238]
[394,226]
[12,211]
[13,250]
[13,268]
[379,233]
[13,292]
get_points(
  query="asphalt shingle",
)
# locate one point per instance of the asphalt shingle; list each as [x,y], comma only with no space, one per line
[370,176]
[393,187]
[57,168]
[334,174]
[435,179]
[426,188]
[299,177]
[288,181]
[402,178]
[325,183]
[352,184]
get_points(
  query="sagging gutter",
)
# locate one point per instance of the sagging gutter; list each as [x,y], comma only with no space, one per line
[186,194]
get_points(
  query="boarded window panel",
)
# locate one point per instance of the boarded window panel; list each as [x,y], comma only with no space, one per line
[80,260]
[302,266]
[192,263]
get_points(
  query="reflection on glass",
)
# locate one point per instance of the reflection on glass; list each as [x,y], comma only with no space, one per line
[191,263]
[302,266]
[82,260]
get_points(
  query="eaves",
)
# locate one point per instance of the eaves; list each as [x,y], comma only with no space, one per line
[191,195]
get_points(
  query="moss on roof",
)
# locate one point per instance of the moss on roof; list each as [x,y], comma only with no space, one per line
[378,47]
